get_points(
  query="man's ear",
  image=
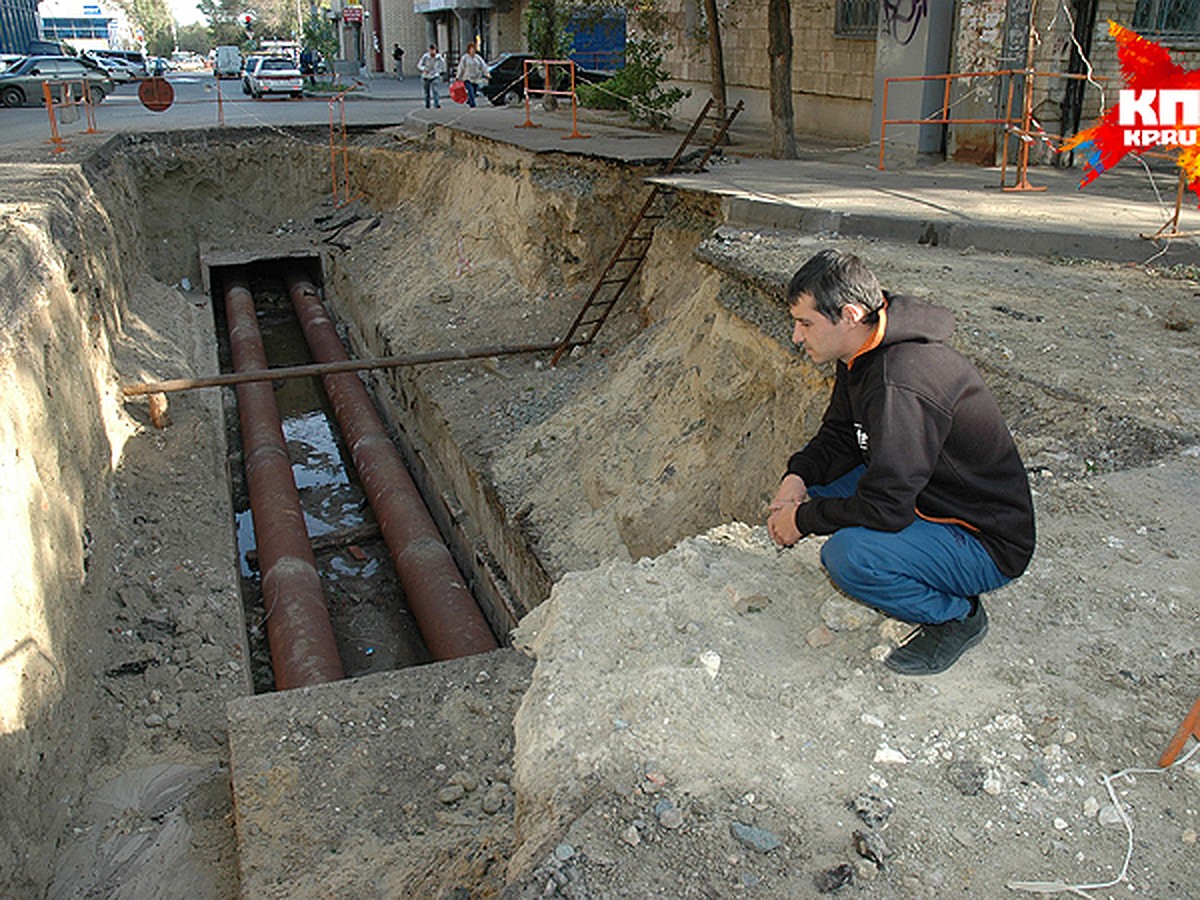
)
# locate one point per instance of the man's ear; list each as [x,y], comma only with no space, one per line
[854,313]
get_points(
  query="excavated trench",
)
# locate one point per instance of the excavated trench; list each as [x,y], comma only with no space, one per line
[555,225]
[128,613]
[145,234]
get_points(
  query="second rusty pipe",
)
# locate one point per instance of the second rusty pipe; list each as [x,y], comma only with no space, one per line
[303,648]
[443,608]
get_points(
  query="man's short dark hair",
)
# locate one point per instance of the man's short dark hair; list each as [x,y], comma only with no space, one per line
[834,279]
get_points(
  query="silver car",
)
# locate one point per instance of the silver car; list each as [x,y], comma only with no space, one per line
[21,83]
[274,75]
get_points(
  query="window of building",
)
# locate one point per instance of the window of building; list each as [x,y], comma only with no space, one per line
[856,18]
[65,29]
[1168,18]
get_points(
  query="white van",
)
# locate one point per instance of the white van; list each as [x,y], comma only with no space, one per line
[228,63]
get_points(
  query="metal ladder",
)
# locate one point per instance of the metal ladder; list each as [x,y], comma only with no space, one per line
[627,258]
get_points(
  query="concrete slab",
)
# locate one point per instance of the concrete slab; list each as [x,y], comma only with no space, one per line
[385,785]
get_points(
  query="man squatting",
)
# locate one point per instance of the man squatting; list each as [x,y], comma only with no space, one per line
[913,472]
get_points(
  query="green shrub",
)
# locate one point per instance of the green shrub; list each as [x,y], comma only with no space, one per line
[637,88]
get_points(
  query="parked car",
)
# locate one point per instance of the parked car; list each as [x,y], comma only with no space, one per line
[250,63]
[21,85]
[134,60]
[505,85]
[118,71]
[123,70]
[274,75]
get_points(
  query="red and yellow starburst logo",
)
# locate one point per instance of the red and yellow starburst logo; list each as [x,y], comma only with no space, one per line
[1159,108]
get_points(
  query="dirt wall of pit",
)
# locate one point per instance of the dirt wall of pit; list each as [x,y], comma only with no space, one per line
[64,288]
[135,216]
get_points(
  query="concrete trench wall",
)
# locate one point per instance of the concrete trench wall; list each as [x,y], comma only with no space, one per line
[63,291]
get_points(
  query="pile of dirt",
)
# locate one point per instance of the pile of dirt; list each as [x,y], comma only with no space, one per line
[715,719]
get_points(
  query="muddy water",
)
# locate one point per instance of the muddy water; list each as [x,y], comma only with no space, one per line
[372,625]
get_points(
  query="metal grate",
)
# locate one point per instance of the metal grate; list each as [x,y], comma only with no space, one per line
[1176,18]
[856,18]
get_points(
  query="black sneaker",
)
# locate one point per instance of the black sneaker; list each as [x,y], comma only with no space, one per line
[935,648]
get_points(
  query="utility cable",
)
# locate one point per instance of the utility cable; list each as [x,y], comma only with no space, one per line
[1080,890]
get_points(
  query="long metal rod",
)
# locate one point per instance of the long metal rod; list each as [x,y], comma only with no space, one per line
[349,365]
[300,635]
[442,606]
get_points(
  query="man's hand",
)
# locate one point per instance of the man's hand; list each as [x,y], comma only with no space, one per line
[781,522]
[792,490]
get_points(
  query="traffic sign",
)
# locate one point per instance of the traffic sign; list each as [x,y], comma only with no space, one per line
[156,94]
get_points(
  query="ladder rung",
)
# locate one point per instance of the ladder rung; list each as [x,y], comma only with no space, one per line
[598,308]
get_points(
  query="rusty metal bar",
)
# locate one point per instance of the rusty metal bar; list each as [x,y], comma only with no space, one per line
[331,368]
[1008,122]
[300,635]
[445,612]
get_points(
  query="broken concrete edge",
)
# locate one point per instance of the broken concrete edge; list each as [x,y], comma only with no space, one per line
[365,782]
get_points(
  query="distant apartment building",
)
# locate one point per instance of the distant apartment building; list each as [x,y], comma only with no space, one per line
[370,29]
[88,24]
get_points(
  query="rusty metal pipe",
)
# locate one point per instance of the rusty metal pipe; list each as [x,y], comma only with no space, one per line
[300,635]
[447,615]
[229,379]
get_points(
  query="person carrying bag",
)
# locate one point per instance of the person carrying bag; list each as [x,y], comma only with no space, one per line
[472,72]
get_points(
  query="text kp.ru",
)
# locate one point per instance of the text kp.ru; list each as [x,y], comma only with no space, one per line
[1153,117]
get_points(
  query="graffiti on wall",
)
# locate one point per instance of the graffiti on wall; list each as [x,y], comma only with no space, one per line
[902,18]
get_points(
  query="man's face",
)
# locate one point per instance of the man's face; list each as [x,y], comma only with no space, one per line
[824,340]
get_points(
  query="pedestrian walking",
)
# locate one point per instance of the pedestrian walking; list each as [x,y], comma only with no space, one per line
[398,61]
[472,72]
[431,66]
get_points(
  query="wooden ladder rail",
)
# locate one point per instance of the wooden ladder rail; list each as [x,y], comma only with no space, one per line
[721,128]
[637,244]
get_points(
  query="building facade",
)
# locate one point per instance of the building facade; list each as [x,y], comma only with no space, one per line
[844,52]
[18,25]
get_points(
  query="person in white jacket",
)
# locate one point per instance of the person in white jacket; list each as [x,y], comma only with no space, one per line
[431,65]
[472,72]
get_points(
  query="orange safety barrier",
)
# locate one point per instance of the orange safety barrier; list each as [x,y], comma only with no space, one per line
[1189,729]
[547,91]
[67,105]
[220,102]
[1022,126]
[339,152]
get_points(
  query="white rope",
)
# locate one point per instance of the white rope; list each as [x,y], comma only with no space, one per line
[1080,890]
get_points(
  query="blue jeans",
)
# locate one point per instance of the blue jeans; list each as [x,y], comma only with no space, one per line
[431,91]
[472,90]
[923,573]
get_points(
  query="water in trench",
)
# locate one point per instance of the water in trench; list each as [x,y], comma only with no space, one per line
[372,625]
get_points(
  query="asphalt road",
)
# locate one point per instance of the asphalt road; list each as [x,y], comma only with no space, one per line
[375,101]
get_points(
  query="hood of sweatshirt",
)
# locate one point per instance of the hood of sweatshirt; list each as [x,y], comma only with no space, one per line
[913,319]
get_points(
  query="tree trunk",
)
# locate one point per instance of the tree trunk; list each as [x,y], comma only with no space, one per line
[779,45]
[716,56]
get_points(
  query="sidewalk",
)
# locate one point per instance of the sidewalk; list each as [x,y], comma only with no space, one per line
[842,190]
